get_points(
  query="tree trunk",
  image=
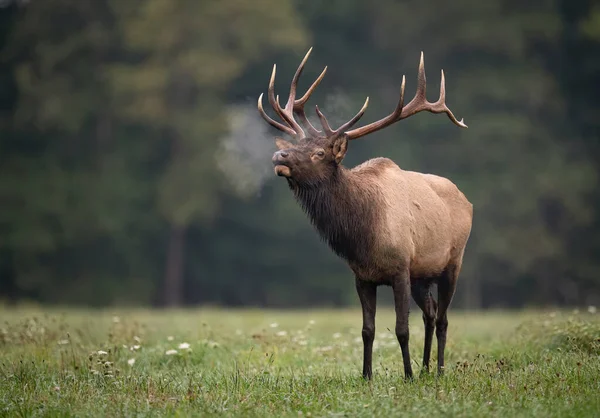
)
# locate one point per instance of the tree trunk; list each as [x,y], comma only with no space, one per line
[173,280]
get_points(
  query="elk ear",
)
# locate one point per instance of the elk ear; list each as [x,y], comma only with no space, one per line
[282,143]
[340,146]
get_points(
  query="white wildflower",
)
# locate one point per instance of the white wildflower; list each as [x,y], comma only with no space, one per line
[281,333]
[63,342]
[101,353]
[135,347]
[311,322]
[137,339]
[274,325]
[184,346]
[131,361]
[171,352]
[170,338]
[337,335]
[116,319]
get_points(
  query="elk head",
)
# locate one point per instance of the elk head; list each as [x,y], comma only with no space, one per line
[316,154]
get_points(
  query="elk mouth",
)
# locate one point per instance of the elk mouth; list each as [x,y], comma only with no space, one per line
[283,170]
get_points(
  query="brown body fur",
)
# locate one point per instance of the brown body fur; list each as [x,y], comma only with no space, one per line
[417,221]
[423,222]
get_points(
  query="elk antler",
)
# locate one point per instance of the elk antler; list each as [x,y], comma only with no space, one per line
[292,106]
[416,105]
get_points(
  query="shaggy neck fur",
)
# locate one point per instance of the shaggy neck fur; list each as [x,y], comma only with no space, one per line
[343,211]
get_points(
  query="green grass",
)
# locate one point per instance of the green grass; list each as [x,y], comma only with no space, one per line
[303,363]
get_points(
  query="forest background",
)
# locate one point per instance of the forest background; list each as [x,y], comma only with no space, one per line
[135,170]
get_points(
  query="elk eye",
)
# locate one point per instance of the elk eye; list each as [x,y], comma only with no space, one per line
[321,153]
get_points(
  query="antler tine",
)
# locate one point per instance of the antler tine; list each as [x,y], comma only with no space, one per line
[421,80]
[301,101]
[272,122]
[271,91]
[442,102]
[416,105]
[331,134]
[289,106]
[299,105]
[326,128]
[420,99]
[287,117]
[352,121]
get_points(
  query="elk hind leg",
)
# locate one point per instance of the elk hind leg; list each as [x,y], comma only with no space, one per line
[446,288]
[421,293]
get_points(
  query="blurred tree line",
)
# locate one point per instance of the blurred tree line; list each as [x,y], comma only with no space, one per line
[134,168]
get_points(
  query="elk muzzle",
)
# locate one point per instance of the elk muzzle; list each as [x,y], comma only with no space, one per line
[280,161]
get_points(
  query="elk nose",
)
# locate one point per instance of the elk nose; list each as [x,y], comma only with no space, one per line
[280,155]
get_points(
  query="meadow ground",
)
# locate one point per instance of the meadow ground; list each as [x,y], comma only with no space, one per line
[292,363]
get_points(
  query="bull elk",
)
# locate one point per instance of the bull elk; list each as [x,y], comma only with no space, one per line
[393,227]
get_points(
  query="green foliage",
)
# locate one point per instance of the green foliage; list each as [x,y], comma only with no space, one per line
[283,363]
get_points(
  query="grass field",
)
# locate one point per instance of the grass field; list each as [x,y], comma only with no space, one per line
[302,363]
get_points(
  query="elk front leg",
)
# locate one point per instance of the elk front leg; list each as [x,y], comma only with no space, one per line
[401,286]
[367,293]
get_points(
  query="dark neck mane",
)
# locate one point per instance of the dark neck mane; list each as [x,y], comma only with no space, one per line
[343,211]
